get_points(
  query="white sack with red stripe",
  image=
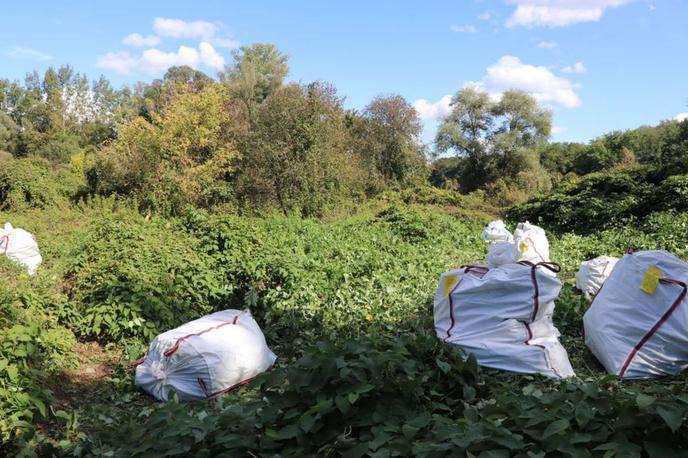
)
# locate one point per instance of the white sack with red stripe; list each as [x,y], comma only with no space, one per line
[593,273]
[636,334]
[503,316]
[205,357]
[20,246]
[531,243]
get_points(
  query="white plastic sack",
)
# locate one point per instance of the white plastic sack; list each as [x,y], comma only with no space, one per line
[496,231]
[501,253]
[593,273]
[531,243]
[636,334]
[503,316]
[205,357]
[20,246]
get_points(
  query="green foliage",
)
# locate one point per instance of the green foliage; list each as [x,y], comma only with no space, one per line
[369,395]
[182,157]
[605,199]
[135,277]
[492,136]
[8,133]
[34,183]
[390,140]
[295,158]
[59,148]
[304,279]
[32,346]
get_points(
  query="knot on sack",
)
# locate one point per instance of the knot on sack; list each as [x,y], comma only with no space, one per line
[157,370]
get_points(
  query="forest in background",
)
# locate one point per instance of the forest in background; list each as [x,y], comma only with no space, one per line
[156,204]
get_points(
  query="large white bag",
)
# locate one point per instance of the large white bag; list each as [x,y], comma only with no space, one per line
[503,315]
[205,357]
[531,243]
[593,273]
[639,333]
[20,246]
[496,231]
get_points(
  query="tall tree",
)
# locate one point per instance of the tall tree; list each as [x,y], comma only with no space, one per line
[391,139]
[495,137]
[295,157]
[256,72]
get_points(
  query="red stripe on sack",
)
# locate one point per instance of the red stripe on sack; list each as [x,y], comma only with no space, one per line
[451,309]
[231,388]
[658,324]
[137,362]
[554,267]
[482,270]
[170,351]
[530,336]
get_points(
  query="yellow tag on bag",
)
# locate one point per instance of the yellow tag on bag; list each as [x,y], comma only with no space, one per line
[651,280]
[449,282]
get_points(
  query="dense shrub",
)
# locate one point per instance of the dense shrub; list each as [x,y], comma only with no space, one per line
[26,183]
[604,199]
[368,396]
[304,279]
[134,277]
[32,346]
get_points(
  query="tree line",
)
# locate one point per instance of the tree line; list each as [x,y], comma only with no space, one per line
[249,141]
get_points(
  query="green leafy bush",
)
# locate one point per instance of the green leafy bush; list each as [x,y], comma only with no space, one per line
[303,279]
[603,200]
[136,277]
[369,395]
[32,345]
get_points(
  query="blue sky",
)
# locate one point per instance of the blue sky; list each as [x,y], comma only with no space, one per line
[600,65]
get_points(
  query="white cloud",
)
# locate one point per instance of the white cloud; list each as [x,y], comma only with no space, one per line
[138,40]
[463,28]
[121,62]
[559,130]
[578,67]
[510,73]
[23,52]
[210,57]
[177,28]
[651,7]
[558,13]
[155,61]
[681,116]
[547,44]
[437,111]
[152,61]
[485,16]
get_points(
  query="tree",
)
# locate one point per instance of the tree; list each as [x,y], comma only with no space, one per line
[295,157]
[391,139]
[8,133]
[496,138]
[594,158]
[181,156]
[256,73]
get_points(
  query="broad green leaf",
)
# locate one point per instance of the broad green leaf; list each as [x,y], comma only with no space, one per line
[555,427]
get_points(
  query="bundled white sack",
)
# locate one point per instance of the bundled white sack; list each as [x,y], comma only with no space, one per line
[500,253]
[205,357]
[531,243]
[20,246]
[503,315]
[496,231]
[528,243]
[593,273]
[636,326]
